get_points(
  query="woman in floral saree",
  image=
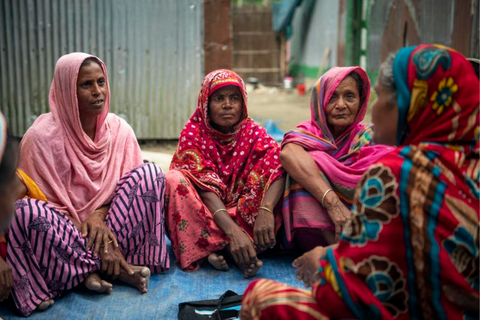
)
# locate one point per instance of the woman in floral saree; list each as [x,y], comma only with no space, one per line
[224,181]
[411,248]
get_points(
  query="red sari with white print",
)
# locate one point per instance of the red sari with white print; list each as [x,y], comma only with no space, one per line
[238,167]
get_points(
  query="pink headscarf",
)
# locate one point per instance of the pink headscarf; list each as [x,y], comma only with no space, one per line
[76,174]
[344,159]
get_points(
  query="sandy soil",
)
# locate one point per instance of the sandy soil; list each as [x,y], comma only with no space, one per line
[286,107]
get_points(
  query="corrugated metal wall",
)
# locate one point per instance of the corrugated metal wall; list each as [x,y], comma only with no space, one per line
[153,50]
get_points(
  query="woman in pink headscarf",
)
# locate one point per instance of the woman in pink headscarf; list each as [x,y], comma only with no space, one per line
[224,181]
[336,145]
[105,208]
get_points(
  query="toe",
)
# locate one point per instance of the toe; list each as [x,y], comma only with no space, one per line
[145,272]
[44,305]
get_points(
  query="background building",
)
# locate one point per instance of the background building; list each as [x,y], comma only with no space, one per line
[158,51]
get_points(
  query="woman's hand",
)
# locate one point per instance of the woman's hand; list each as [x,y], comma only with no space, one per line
[112,260]
[6,280]
[241,247]
[307,265]
[263,230]
[97,232]
[337,212]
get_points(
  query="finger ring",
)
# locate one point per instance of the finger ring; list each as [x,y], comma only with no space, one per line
[110,241]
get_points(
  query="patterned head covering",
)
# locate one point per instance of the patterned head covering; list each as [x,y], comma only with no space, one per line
[3,135]
[344,159]
[437,95]
[315,134]
[238,166]
[214,81]
[321,95]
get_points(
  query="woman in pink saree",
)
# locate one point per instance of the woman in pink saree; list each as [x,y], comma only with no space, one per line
[104,215]
[336,144]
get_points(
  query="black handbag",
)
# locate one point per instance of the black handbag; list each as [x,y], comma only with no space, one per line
[227,307]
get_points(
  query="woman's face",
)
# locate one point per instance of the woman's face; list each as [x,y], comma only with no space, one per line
[225,108]
[91,90]
[343,106]
[384,116]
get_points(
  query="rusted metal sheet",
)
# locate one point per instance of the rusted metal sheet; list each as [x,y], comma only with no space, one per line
[256,47]
[341,42]
[464,20]
[218,35]
[394,24]
[153,50]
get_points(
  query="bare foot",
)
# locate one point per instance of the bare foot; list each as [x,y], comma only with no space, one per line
[218,262]
[97,284]
[139,279]
[45,305]
[251,269]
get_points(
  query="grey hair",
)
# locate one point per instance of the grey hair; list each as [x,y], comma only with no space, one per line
[385,76]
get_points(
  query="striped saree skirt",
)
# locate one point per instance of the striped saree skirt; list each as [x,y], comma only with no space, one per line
[47,253]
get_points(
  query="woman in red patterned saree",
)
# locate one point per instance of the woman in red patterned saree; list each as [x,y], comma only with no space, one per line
[411,249]
[224,181]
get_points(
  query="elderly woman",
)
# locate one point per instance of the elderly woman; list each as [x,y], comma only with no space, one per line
[105,208]
[411,249]
[224,181]
[335,144]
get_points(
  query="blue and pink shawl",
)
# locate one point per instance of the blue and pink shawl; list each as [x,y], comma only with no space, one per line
[341,161]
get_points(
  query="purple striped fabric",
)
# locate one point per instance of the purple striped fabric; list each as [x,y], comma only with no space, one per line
[47,253]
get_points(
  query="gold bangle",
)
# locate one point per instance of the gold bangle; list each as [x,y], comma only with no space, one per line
[266,209]
[222,209]
[323,198]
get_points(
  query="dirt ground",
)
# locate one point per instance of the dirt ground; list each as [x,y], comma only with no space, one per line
[284,106]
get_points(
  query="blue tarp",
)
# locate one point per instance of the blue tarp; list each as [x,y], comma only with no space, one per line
[166,291]
[282,14]
[274,130]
